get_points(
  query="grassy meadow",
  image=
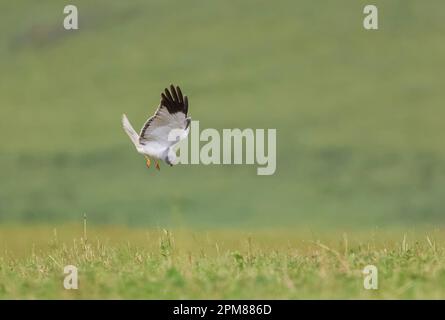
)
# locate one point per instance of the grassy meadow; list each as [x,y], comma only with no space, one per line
[359,118]
[222,264]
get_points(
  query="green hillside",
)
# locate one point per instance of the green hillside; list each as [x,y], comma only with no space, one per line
[359,114]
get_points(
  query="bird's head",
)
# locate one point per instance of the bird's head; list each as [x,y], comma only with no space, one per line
[171,159]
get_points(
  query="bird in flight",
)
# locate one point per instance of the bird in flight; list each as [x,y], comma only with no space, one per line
[153,141]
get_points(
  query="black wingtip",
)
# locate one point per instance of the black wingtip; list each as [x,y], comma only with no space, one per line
[186,105]
[173,100]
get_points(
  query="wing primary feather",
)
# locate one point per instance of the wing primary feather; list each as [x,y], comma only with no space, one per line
[186,105]
[174,101]
[167,93]
[181,98]
[175,95]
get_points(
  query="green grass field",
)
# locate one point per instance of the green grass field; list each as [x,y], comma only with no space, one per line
[359,118]
[263,264]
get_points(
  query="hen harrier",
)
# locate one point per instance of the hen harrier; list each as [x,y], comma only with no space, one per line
[153,141]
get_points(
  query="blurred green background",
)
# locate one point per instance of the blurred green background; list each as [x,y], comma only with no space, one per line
[359,114]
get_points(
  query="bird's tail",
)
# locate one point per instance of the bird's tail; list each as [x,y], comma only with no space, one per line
[130,130]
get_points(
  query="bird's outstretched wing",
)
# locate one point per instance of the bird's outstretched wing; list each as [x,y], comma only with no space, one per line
[170,115]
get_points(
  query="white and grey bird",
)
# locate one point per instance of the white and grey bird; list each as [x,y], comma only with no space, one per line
[155,140]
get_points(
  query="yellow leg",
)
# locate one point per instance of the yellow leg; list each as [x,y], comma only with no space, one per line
[157,165]
[148,162]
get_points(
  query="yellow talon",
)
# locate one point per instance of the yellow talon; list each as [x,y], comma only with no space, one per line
[157,165]
[148,162]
